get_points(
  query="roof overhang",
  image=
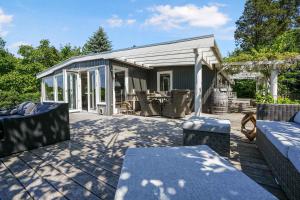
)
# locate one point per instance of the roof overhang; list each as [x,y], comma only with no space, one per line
[173,53]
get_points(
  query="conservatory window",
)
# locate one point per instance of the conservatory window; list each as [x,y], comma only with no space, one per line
[102,84]
[49,89]
[59,87]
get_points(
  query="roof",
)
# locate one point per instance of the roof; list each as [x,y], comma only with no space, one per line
[171,53]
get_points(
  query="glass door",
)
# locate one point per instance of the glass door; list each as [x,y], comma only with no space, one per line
[92,90]
[120,86]
[72,90]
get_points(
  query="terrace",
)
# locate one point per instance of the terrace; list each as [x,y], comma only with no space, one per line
[88,166]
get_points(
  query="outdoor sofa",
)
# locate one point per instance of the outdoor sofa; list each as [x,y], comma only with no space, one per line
[189,173]
[31,125]
[278,138]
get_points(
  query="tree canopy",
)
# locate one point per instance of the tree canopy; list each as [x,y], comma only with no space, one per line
[18,75]
[264,20]
[97,43]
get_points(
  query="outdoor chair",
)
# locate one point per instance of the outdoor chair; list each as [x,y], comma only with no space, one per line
[148,107]
[31,125]
[177,105]
[190,103]
[126,108]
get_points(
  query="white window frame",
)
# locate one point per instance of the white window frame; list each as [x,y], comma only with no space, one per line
[56,89]
[115,111]
[170,72]
[44,89]
[99,102]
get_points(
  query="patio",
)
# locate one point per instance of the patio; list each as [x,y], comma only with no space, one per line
[88,166]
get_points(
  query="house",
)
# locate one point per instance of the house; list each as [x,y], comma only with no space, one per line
[98,82]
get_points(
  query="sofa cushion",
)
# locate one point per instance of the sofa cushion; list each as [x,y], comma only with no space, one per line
[43,107]
[25,108]
[282,135]
[297,118]
[207,124]
[294,156]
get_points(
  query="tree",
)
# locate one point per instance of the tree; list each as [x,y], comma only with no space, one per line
[99,42]
[45,54]
[67,51]
[264,20]
[2,43]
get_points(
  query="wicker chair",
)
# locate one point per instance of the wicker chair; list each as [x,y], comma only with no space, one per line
[177,105]
[148,107]
[190,103]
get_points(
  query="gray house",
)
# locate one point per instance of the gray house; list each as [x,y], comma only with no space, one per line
[98,82]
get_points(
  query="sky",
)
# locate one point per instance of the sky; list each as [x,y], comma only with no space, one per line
[126,22]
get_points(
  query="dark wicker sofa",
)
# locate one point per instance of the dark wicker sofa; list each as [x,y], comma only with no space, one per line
[44,124]
[278,138]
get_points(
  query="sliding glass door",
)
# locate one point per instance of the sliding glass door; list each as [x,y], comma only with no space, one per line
[72,90]
[92,90]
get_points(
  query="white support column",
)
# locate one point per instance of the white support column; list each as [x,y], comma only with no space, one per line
[65,78]
[274,83]
[198,82]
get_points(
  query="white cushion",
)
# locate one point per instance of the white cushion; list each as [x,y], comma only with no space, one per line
[282,135]
[297,118]
[207,124]
[188,173]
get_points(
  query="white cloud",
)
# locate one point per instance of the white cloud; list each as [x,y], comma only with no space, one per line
[170,17]
[5,20]
[14,47]
[116,21]
[130,21]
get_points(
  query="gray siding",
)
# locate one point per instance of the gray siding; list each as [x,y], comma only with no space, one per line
[183,77]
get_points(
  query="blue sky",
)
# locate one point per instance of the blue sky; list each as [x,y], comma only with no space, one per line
[127,22]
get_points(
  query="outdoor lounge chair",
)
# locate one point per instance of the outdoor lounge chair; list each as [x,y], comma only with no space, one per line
[187,173]
[177,105]
[30,126]
[148,107]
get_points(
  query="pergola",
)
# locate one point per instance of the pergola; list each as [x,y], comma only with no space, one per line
[251,70]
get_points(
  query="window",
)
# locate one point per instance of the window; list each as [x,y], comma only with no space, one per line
[49,89]
[102,84]
[59,87]
[72,90]
[164,81]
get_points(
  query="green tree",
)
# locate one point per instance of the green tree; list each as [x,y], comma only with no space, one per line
[67,51]
[99,42]
[2,43]
[264,20]
[45,54]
